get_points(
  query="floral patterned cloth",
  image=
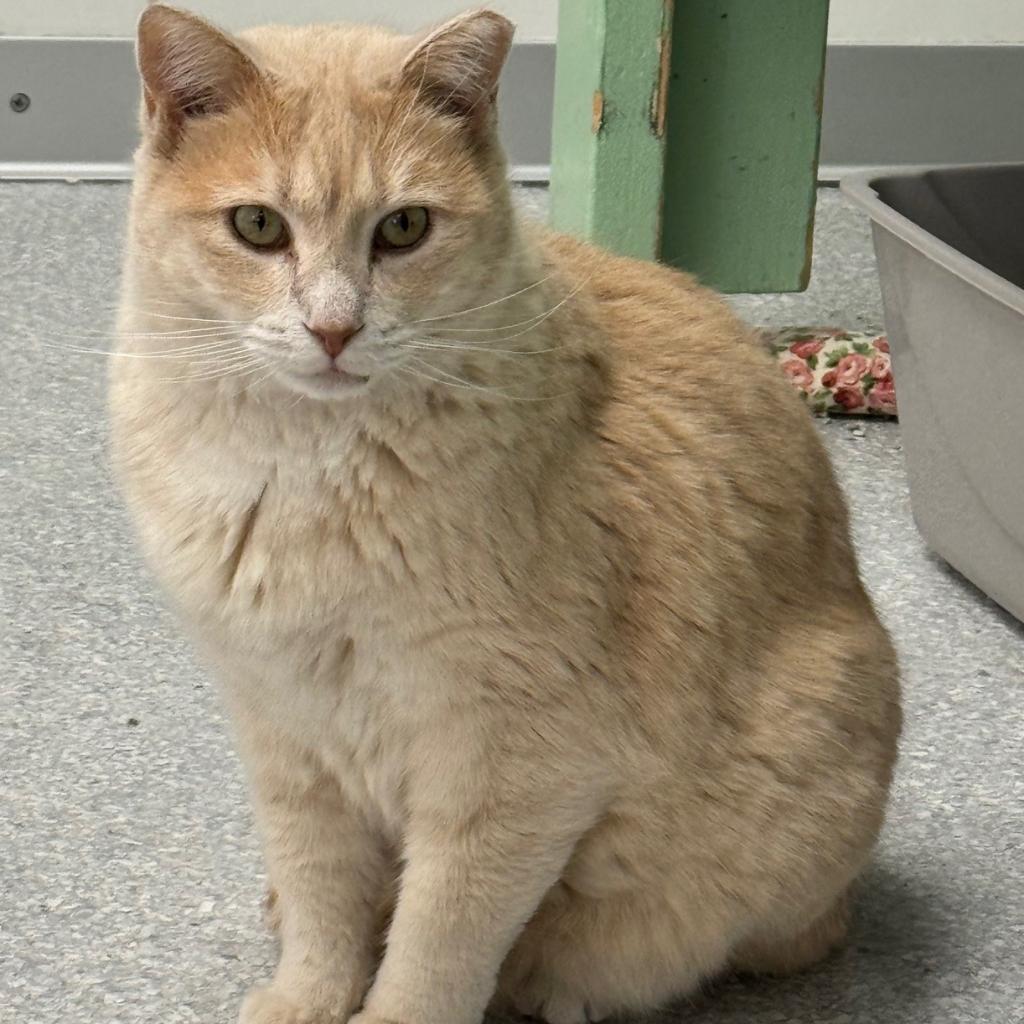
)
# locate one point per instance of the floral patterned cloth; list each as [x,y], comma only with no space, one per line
[837,371]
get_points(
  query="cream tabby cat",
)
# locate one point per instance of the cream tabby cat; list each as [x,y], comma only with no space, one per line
[523,575]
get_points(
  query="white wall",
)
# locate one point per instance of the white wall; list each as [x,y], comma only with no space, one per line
[536,19]
[853,21]
[927,21]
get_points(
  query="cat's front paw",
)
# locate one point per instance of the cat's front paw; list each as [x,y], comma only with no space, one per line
[268,1006]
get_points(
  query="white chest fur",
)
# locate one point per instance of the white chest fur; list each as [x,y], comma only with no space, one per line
[298,589]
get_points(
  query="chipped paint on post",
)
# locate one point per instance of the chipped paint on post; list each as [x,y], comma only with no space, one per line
[597,121]
[659,103]
[609,132]
[695,122]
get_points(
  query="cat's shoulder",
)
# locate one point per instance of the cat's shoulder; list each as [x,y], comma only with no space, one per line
[643,303]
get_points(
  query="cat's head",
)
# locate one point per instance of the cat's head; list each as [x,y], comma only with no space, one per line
[318,194]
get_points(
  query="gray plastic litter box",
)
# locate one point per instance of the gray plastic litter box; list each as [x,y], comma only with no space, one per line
[950,247]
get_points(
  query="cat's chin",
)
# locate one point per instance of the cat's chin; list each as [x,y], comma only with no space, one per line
[329,386]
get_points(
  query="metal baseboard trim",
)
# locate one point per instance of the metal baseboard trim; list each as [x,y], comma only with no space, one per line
[886,107]
[58,171]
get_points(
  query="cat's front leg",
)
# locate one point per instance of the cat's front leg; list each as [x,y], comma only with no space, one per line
[473,878]
[330,876]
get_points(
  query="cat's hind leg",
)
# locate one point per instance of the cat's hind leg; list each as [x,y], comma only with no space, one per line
[584,959]
[774,953]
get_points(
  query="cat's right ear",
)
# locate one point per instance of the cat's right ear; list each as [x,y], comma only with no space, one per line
[189,69]
[456,67]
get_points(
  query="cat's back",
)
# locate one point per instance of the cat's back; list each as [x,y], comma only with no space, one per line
[694,397]
[668,334]
[713,476]
[720,503]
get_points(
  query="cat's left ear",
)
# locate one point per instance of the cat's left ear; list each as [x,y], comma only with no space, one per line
[189,69]
[457,66]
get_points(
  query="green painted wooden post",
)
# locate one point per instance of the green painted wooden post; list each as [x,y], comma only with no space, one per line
[744,127]
[730,193]
[609,147]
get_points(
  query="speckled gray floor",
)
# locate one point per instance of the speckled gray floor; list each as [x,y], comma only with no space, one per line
[129,875]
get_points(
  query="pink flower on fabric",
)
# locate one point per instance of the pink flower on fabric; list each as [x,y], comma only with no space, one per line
[881,367]
[849,398]
[851,368]
[828,380]
[807,348]
[798,373]
[881,343]
[882,396]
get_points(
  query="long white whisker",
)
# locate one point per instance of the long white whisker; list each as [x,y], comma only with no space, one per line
[149,301]
[184,332]
[215,338]
[199,332]
[486,305]
[551,312]
[192,319]
[223,347]
[494,330]
[458,381]
[183,353]
[257,383]
[487,350]
[205,366]
[534,323]
[225,358]
[473,387]
[419,375]
[236,369]
[156,336]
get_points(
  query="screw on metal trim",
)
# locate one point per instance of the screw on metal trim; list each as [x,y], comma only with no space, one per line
[20,102]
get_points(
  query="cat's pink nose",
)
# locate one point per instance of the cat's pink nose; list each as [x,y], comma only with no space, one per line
[334,336]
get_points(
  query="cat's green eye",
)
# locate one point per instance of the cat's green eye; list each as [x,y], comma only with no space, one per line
[402,229]
[260,226]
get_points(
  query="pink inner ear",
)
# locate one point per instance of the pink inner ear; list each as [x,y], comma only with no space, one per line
[456,68]
[188,67]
